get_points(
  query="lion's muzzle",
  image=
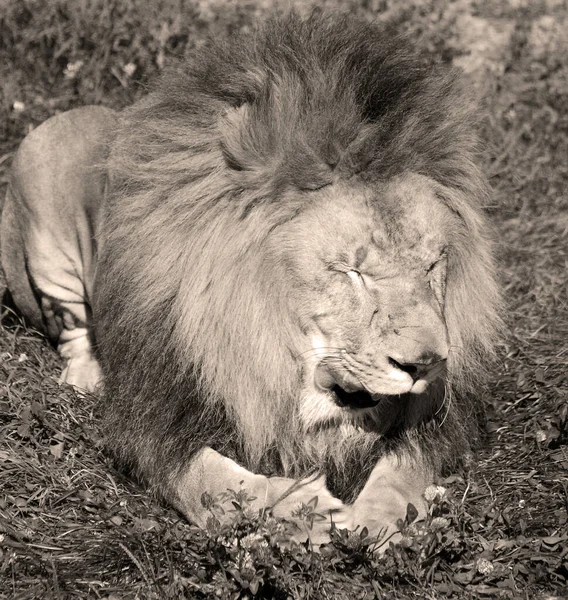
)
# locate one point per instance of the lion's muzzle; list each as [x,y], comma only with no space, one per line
[359,382]
[430,367]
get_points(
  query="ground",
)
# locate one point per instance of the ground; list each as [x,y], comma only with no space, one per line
[72,526]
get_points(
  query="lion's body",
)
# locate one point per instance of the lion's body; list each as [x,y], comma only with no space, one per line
[293,271]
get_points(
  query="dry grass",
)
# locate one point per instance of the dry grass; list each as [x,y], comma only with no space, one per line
[71,526]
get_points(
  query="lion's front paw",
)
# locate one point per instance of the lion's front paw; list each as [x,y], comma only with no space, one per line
[311,508]
[380,514]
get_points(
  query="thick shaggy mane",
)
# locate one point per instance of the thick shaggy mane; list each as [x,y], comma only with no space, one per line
[193,329]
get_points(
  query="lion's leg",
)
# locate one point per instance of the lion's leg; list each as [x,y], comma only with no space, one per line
[71,326]
[67,323]
[33,262]
[213,473]
[394,483]
[49,226]
[57,272]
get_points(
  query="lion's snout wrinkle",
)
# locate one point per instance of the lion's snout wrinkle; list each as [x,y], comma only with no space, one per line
[417,343]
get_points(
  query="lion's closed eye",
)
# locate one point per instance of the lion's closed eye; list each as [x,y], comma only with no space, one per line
[439,260]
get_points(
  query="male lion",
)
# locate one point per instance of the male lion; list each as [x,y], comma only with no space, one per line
[280,262]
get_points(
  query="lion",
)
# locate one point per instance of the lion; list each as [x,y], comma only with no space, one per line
[275,269]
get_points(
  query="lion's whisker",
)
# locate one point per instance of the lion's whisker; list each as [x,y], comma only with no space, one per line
[446,402]
[315,351]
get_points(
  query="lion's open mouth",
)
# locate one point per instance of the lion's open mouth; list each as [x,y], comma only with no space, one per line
[358,399]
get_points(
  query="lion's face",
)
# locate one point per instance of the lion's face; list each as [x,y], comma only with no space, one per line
[370,272]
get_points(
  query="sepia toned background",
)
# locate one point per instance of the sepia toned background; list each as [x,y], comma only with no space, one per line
[71,526]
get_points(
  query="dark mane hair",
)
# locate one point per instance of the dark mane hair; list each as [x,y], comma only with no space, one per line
[191,341]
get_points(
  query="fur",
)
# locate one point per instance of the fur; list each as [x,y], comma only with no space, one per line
[195,335]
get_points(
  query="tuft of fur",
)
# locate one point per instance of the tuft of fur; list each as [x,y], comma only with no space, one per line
[194,333]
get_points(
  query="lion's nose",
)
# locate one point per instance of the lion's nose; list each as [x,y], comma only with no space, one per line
[420,368]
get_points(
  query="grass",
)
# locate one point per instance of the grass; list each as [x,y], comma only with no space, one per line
[71,526]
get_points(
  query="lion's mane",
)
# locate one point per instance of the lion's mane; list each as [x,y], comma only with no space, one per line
[192,329]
